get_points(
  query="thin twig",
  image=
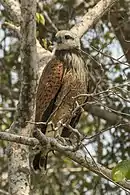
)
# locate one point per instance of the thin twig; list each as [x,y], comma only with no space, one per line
[50,21]
[108,56]
[3,192]
[7,109]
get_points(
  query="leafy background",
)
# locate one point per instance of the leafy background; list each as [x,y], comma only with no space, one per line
[107,55]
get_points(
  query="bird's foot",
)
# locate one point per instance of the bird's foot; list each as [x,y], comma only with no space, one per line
[62,140]
[75,132]
[36,149]
[75,136]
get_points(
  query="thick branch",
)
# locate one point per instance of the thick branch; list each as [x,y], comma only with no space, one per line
[12,8]
[78,156]
[110,117]
[122,31]
[92,16]
[18,139]
[3,192]
[87,21]
[104,114]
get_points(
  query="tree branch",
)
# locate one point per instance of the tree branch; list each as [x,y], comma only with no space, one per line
[110,117]
[87,21]
[12,7]
[7,109]
[18,139]
[77,156]
[4,192]
[92,16]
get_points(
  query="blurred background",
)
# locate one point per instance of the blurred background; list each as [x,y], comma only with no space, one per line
[107,47]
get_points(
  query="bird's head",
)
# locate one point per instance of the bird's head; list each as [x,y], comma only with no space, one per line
[67,40]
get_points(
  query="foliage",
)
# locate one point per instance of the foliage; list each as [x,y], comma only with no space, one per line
[40,18]
[109,65]
[121,171]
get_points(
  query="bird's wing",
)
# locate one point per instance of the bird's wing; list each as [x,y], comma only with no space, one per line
[49,85]
[72,86]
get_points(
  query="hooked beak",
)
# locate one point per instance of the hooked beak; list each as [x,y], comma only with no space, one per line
[58,40]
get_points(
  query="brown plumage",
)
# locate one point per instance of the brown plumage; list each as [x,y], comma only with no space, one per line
[50,83]
[63,78]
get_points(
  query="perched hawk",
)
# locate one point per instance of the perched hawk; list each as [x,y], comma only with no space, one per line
[63,78]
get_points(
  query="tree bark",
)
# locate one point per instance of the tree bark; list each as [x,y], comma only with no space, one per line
[19,169]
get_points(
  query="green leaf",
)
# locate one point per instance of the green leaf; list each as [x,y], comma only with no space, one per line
[121,171]
[37,17]
[40,18]
[45,43]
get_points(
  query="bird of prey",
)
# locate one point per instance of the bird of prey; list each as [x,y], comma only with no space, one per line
[63,79]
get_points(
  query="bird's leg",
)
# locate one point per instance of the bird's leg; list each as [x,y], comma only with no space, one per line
[61,139]
[53,128]
[78,106]
[76,132]
[75,137]
[36,149]
[58,131]
[54,131]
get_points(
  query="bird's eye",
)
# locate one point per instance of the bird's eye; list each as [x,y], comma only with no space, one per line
[68,37]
